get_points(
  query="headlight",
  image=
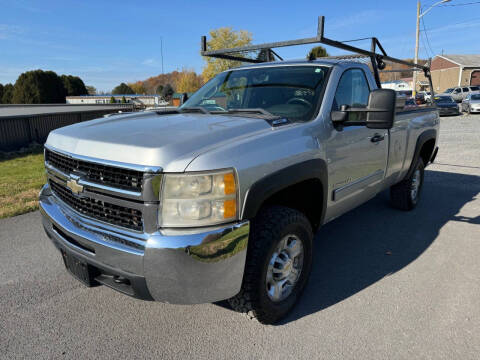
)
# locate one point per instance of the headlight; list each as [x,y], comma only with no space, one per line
[198,199]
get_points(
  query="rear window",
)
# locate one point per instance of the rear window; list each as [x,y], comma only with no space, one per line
[474,88]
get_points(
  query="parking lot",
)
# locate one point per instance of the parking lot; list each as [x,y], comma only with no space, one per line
[385,284]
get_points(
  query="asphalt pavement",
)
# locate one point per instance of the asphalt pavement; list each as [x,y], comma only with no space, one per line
[386,284]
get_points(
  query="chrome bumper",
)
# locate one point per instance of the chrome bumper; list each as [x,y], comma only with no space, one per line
[181,267]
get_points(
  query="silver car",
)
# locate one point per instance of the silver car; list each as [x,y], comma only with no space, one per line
[471,104]
[460,93]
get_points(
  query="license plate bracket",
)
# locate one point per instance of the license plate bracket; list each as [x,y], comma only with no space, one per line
[82,271]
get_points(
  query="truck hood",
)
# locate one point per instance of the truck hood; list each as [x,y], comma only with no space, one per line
[167,141]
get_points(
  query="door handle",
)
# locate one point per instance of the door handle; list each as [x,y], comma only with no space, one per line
[377,137]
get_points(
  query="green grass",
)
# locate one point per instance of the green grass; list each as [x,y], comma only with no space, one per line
[21,178]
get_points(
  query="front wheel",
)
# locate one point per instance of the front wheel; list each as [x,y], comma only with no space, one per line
[278,264]
[406,194]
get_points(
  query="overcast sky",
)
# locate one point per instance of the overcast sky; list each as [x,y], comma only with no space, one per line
[107,42]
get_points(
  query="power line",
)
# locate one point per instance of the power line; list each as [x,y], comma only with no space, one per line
[426,37]
[463,4]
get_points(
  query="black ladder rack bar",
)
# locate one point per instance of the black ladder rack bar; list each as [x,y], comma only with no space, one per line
[377,59]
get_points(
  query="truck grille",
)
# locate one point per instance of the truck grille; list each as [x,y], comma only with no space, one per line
[101,174]
[100,210]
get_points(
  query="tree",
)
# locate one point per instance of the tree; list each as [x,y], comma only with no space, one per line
[167,92]
[38,87]
[317,52]
[188,81]
[138,88]
[123,89]
[7,94]
[222,38]
[112,100]
[159,90]
[74,85]
[91,90]
[1,93]
[124,101]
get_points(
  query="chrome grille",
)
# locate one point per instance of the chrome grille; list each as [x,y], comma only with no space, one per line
[100,210]
[98,173]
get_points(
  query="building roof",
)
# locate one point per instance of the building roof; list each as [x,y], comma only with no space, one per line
[30,110]
[463,60]
[109,96]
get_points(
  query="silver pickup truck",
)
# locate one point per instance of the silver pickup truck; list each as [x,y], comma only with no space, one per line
[221,199]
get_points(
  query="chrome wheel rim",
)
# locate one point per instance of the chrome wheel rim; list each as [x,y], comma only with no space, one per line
[284,268]
[415,185]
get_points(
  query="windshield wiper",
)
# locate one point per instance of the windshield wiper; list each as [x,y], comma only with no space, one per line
[194,109]
[252,111]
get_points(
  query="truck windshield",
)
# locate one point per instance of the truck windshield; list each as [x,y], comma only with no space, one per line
[292,92]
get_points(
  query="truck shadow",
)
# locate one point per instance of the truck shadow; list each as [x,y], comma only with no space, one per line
[374,240]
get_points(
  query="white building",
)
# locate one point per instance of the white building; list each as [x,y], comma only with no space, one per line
[141,100]
[397,85]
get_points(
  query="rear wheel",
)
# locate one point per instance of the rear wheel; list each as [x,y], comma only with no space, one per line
[278,265]
[406,194]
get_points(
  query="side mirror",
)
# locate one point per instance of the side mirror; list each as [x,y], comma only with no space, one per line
[381,109]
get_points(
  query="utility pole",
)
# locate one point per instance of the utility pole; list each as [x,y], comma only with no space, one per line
[417,39]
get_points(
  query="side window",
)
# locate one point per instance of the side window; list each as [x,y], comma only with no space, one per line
[465,89]
[353,91]
[457,91]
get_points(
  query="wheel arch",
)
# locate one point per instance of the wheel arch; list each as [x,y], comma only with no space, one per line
[301,186]
[424,148]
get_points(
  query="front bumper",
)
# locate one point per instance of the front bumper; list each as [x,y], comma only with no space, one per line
[181,267]
[449,111]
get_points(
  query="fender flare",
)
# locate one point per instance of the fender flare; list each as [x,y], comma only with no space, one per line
[421,140]
[271,184]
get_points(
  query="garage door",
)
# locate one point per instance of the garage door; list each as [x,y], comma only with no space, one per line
[475,80]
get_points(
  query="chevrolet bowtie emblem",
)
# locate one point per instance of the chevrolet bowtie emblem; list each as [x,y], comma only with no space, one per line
[74,186]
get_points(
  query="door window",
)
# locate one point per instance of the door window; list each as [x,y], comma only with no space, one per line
[353,90]
[457,91]
[465,89]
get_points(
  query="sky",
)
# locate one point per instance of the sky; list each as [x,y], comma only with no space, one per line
[108,42]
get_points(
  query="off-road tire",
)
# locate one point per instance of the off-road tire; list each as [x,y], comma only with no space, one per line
[400,194]
[268,228]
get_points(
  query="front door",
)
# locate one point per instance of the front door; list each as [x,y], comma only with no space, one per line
[356,155]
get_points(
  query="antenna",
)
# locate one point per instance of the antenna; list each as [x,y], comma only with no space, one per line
[161,50]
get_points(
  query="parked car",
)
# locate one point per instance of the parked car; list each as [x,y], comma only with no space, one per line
[460,93]
[427,95]
[420,98]
[221,198]
[471,104]
[446,105]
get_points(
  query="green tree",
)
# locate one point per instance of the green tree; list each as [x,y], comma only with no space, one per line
[112,100]
[7,94]
[317,52]
[159,89]
[124,101]
[123,89]
[223,38]
[167,92]
[74,85]
[1,93]
[38,87]
[91,90]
